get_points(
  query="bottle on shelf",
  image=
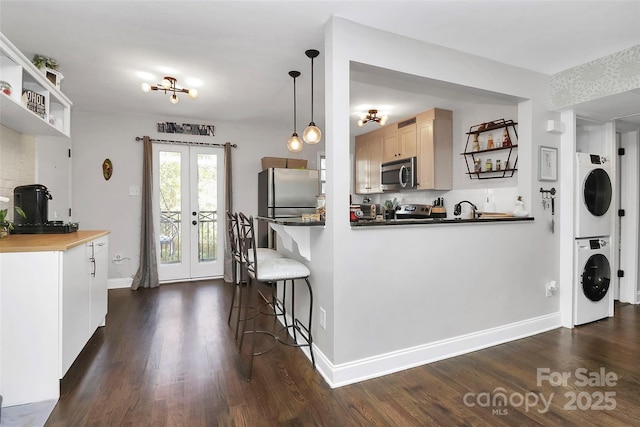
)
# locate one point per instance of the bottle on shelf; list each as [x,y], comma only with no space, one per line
[506,141]
[490,145]
[476,143]
[489,165]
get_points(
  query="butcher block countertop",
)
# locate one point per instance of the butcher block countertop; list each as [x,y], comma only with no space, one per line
[48,242]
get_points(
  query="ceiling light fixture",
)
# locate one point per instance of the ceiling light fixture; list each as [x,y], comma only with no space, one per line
[168,84]
[294,144]
[312,133]
[372,116]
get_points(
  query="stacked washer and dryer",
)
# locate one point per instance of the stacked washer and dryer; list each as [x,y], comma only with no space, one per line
[593,298]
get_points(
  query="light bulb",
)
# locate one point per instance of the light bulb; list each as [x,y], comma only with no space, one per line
[360,123]
[312,134]
[165,83]
[383,120]
[193,93]
[294,144]
[146,87]
[174,99]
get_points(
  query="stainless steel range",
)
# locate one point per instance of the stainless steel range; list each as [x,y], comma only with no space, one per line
[413,211]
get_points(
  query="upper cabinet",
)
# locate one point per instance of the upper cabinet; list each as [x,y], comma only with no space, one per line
[400,140]
[435,149]
[368,158]
[33,105]
[427,136]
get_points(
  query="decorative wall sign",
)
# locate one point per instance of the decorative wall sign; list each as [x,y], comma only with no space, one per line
[35,102]
[186,128]
[107,169]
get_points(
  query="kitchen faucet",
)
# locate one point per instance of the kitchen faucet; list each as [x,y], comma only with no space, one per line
[457,209]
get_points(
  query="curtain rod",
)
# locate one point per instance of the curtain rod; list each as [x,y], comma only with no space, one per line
[169,141]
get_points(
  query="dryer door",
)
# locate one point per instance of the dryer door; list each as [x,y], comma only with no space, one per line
[597,192]
[596,277]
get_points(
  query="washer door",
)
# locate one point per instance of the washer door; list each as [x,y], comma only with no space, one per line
[597,192]
[596,277]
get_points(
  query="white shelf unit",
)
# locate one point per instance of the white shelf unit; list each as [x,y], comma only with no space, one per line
[21,74]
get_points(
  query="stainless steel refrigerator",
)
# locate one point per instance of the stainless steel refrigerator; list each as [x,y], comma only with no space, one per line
[284,193]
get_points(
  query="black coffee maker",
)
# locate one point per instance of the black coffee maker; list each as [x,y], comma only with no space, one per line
[34,201]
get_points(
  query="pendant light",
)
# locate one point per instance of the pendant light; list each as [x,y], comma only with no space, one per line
[312,133]
[294,144]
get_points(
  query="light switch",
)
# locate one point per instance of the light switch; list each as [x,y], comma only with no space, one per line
[134,190]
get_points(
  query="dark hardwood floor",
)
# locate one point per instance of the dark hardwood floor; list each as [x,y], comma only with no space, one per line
[167,358]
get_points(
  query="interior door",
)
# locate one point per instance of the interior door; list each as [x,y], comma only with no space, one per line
[188,207]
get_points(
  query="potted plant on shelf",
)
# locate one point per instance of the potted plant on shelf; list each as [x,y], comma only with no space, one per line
[49,67]
[390,207]
[41,61]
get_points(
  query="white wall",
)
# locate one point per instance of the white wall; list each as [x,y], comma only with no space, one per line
[395,288]
[101,204]
[17,164]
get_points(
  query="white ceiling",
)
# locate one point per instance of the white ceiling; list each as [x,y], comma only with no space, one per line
[238,53]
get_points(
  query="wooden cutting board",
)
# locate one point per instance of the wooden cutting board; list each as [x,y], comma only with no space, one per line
[495,215]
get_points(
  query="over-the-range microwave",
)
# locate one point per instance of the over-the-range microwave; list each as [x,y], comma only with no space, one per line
[399,175]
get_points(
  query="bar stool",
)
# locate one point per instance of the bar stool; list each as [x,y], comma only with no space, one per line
[272,271]
[238,268]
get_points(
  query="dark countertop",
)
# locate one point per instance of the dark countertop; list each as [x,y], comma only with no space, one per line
[429,221]
[295,221]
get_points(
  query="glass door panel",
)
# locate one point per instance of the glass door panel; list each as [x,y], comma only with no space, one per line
[186,210]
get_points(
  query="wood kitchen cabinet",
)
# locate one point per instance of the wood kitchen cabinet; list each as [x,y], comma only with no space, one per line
[427,136]
[368,158]
[435,149]
[400,140]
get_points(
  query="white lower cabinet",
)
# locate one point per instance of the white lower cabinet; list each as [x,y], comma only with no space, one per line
[51,304]
[83,302]
[99,264]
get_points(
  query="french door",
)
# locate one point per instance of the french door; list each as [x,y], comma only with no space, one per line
[188,210]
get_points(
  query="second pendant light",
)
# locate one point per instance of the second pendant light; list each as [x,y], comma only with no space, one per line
[312,133]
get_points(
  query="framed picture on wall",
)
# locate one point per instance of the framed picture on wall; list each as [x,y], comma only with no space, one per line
[548,164]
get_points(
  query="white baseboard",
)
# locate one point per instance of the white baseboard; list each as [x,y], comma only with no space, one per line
[124,282]
[384,364]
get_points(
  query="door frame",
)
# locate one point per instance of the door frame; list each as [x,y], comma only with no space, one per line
[185,271]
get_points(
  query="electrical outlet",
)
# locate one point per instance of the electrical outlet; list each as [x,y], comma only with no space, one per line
[323,318]
[550,289]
